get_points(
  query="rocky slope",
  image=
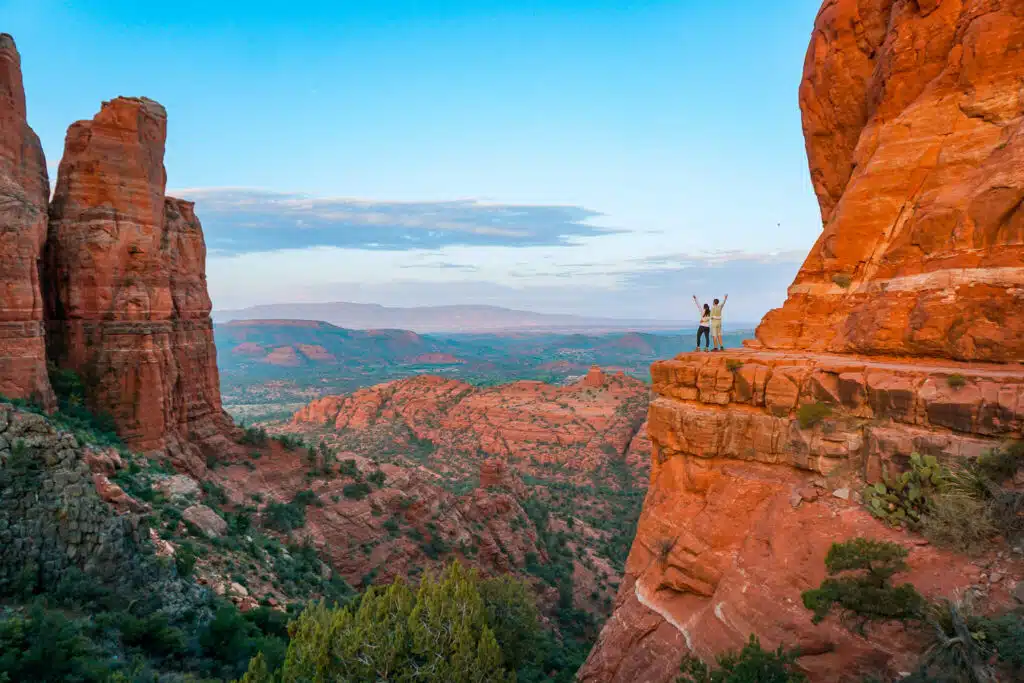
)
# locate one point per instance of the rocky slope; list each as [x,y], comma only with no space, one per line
[541,481]
[127,305]
[24,192]
[912,116]
[535,425]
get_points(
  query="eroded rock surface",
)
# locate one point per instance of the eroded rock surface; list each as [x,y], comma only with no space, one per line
[903,333]
[745,502]
[24,193]
[127,299]
[913,118]
[582,425]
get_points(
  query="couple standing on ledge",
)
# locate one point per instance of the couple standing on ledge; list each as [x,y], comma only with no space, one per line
[710,323]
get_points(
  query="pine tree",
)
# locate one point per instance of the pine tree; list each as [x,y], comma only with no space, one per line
[438,634]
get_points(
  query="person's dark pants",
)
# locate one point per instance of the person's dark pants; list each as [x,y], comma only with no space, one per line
[706,331]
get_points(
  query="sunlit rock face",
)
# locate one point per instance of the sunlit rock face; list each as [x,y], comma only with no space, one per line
[912,116]
[127,301]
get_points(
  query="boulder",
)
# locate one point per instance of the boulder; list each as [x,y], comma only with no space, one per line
[206,520]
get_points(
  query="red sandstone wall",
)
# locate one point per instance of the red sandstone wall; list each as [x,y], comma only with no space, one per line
[24,192]
[127,299]
[913,119]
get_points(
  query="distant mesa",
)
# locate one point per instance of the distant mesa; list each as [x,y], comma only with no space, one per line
[435,319]
[437,359]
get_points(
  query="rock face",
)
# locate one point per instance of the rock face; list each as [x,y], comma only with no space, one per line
[24,192]
[903,332]
[52,518]
[126,289]
[745,502]
[913,119]
[581,425]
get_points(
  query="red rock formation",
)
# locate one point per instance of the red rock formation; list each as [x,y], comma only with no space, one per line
[750,502]
[595,378]
[912,117]
[24,192]
[533,422]
[127,300]
[914,122]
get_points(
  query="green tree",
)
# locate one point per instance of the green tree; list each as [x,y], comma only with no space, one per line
[752,664]
[258,671]
[438,633]
[512,615]
[860,584]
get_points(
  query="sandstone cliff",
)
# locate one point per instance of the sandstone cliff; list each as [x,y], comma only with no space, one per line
[126,286]
[912,116]
[914,123]
[24,192]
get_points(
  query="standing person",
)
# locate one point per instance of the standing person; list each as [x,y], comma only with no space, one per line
[704,328]
[716,324]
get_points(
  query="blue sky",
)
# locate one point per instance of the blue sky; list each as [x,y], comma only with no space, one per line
[590,157]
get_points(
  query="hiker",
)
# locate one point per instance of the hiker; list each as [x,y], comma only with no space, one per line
[704,328]
[716,324]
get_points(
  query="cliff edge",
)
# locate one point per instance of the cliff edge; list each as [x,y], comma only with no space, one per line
[902,333]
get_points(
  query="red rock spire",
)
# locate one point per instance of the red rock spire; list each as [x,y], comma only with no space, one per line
[127,298]
[24,191]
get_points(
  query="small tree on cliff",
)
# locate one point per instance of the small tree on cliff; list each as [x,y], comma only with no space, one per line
[860,584]
[752,664]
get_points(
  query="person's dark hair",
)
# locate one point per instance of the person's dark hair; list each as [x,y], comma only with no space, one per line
[707,309]
[716,301]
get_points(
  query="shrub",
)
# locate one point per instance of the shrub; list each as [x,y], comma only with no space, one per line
[904,500]
[253,436]
[289,441]
[348,468]
[860,584]
[356,490]
[377,478]
[955,381]
[46,646]
[284,517]
[811,414]
[663,548]
[439,632]
[1002,463]
[843,280]
[968,647]
[185,559]
[732,365]
[752,664]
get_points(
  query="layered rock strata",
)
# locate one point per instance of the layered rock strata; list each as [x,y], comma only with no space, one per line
[24,192]
[745,502]
[913,117]
[903,332]
[127,302]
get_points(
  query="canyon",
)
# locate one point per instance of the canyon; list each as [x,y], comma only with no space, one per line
[460,466]
[902,332]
